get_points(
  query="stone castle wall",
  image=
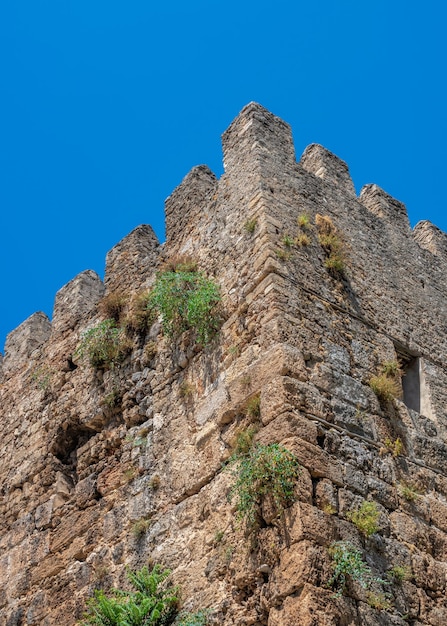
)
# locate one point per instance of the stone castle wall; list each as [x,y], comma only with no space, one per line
[78,472]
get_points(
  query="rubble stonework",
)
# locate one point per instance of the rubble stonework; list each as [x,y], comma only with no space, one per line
[78,471]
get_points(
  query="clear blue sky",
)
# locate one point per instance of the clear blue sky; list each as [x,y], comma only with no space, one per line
[106,105]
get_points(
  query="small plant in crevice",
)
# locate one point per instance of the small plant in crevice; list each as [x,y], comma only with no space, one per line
[250,225]
[399,573]
[386,385]
[150,602]
[112,399]
[139,441]
[129,474]
[43,376]
[234,351]
[155,482]
[303,221]
[395,447]
[186,390]
[113,305]
[140,527]
[408,491]
[264,471]
[229,551]
[219,535]
[244,442]
[365,518]
[253,406]
[359,414]
[104,346]
[140,316]
[332,245]
[379,601]
[348,564]
[187,300]
[288,241]
[329,509]
[198,618]
[386,389]
[302,240]
[179,263]
[282,254]
[392,369]
[101,572]
[149,352]
[245,381]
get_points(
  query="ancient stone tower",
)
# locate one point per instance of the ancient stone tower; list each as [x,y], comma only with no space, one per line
[323,294]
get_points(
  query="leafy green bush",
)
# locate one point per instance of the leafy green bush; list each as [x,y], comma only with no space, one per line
[264,470]
[151,604]
[365,518]
[186,300]
[104,346]
[348,564]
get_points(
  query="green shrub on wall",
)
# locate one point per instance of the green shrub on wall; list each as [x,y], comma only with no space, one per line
[366,518]
[348,564]
[186,300]
[263,471]
[104,346]
[150,604]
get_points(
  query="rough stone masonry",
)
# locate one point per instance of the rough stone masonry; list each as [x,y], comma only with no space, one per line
[106,469]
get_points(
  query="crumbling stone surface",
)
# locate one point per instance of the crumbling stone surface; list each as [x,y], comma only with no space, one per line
[89,453]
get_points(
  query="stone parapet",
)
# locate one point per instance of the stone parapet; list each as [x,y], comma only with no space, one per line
[130,263]
[431,238]
[189,203]
[384,206]
[326,165]
[24,340]
[76,300]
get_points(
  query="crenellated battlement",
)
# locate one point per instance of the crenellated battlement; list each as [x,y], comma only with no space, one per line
[24,340]
[326,165]
[186,207]
[257,147]
[385,206]
[431,238]
[258,136]
[137,255]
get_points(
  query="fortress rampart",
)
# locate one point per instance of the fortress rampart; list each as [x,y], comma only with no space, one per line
[88,454]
